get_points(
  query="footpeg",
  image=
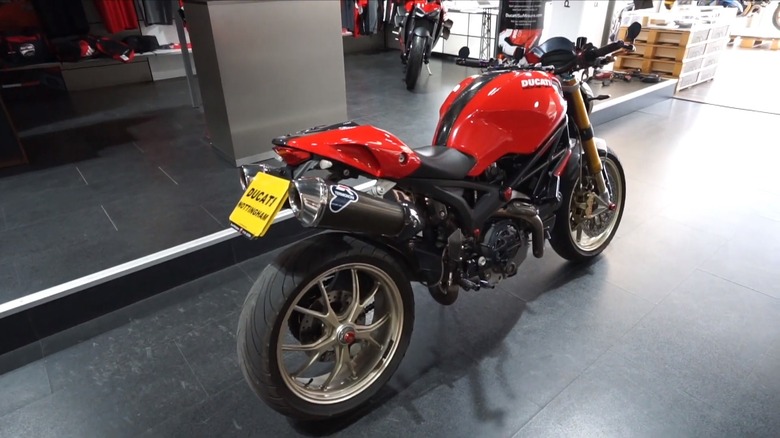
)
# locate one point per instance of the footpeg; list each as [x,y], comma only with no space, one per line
[470,285]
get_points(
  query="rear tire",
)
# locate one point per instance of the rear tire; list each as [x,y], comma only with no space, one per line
[295,287]
[564,235]
[415,62]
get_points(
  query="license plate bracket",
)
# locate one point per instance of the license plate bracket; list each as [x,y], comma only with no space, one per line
[259,205]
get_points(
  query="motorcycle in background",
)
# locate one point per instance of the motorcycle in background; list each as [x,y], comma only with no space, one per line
[747,7]
[776,17]
[514,162]
[419,25]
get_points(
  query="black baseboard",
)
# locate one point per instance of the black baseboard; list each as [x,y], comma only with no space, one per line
[21,331]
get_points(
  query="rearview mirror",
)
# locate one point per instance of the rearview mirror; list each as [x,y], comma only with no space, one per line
[464,52]
[633,32]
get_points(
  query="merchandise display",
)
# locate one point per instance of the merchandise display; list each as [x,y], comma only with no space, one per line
[157,12]
[118,15]
[40,32]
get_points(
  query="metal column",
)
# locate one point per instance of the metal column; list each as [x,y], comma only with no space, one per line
[185,55]
[485,48]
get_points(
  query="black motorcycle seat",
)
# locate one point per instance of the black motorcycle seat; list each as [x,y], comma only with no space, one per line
[441,162]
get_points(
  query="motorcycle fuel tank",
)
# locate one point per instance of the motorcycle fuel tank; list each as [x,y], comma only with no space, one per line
[501,113]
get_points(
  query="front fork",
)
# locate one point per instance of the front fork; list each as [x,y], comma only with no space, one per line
[571,87]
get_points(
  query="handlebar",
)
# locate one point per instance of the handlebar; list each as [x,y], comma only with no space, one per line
[586,57]
[476,63]
[609,48]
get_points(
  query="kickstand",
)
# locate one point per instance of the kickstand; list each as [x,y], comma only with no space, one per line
[430,73]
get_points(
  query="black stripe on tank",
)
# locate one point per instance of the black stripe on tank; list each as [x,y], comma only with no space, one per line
[445,126]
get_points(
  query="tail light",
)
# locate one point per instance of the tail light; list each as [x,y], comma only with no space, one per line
[292,156]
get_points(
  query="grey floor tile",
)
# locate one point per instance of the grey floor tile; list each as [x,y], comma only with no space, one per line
[751,260]
[233,412]
[73,412]
[474,404]
[656,257]
[58,265]
[9,282]
[187,308]
[211,353]
[23,386]
[84,226]
[20,357]
[31,183]
[706,337]
[616,397]
[27,210]
[643,202]
[751,409]
[143,384]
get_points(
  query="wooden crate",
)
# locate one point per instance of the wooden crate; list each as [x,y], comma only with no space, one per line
[674,53]
[629,63]
[669,68]
[749,42]
[673,37]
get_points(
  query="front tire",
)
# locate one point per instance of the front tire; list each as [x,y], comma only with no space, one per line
[415,62]
[582,231]
[325,326]
[776,18]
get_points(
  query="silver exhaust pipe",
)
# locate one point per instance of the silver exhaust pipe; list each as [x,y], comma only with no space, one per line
[321,204]
[530,215]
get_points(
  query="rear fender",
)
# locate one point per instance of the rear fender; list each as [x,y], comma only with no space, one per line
[370,150]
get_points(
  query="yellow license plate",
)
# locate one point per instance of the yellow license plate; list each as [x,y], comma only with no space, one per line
[259,205]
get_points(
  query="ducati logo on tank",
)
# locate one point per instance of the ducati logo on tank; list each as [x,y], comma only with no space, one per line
[535,82]
[342,196]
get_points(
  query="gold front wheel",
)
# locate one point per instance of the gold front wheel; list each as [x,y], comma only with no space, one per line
[586,222]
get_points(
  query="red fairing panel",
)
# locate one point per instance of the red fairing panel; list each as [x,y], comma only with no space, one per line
[364,147]
[427,7]
[515,113]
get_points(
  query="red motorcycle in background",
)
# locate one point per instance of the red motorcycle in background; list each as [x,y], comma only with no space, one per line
[420,24]
[514,163]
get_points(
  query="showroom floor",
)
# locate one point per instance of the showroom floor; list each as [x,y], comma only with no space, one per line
[672,332]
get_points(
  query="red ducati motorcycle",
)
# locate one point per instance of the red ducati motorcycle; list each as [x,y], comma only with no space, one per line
[514,162]
[420,24]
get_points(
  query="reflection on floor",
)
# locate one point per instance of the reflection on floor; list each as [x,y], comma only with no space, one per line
[125,172]
[672,332]
[745,79]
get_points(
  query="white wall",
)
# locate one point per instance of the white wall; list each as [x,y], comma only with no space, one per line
[581,18]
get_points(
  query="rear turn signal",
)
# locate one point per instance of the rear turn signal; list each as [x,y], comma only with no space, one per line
[291,156]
